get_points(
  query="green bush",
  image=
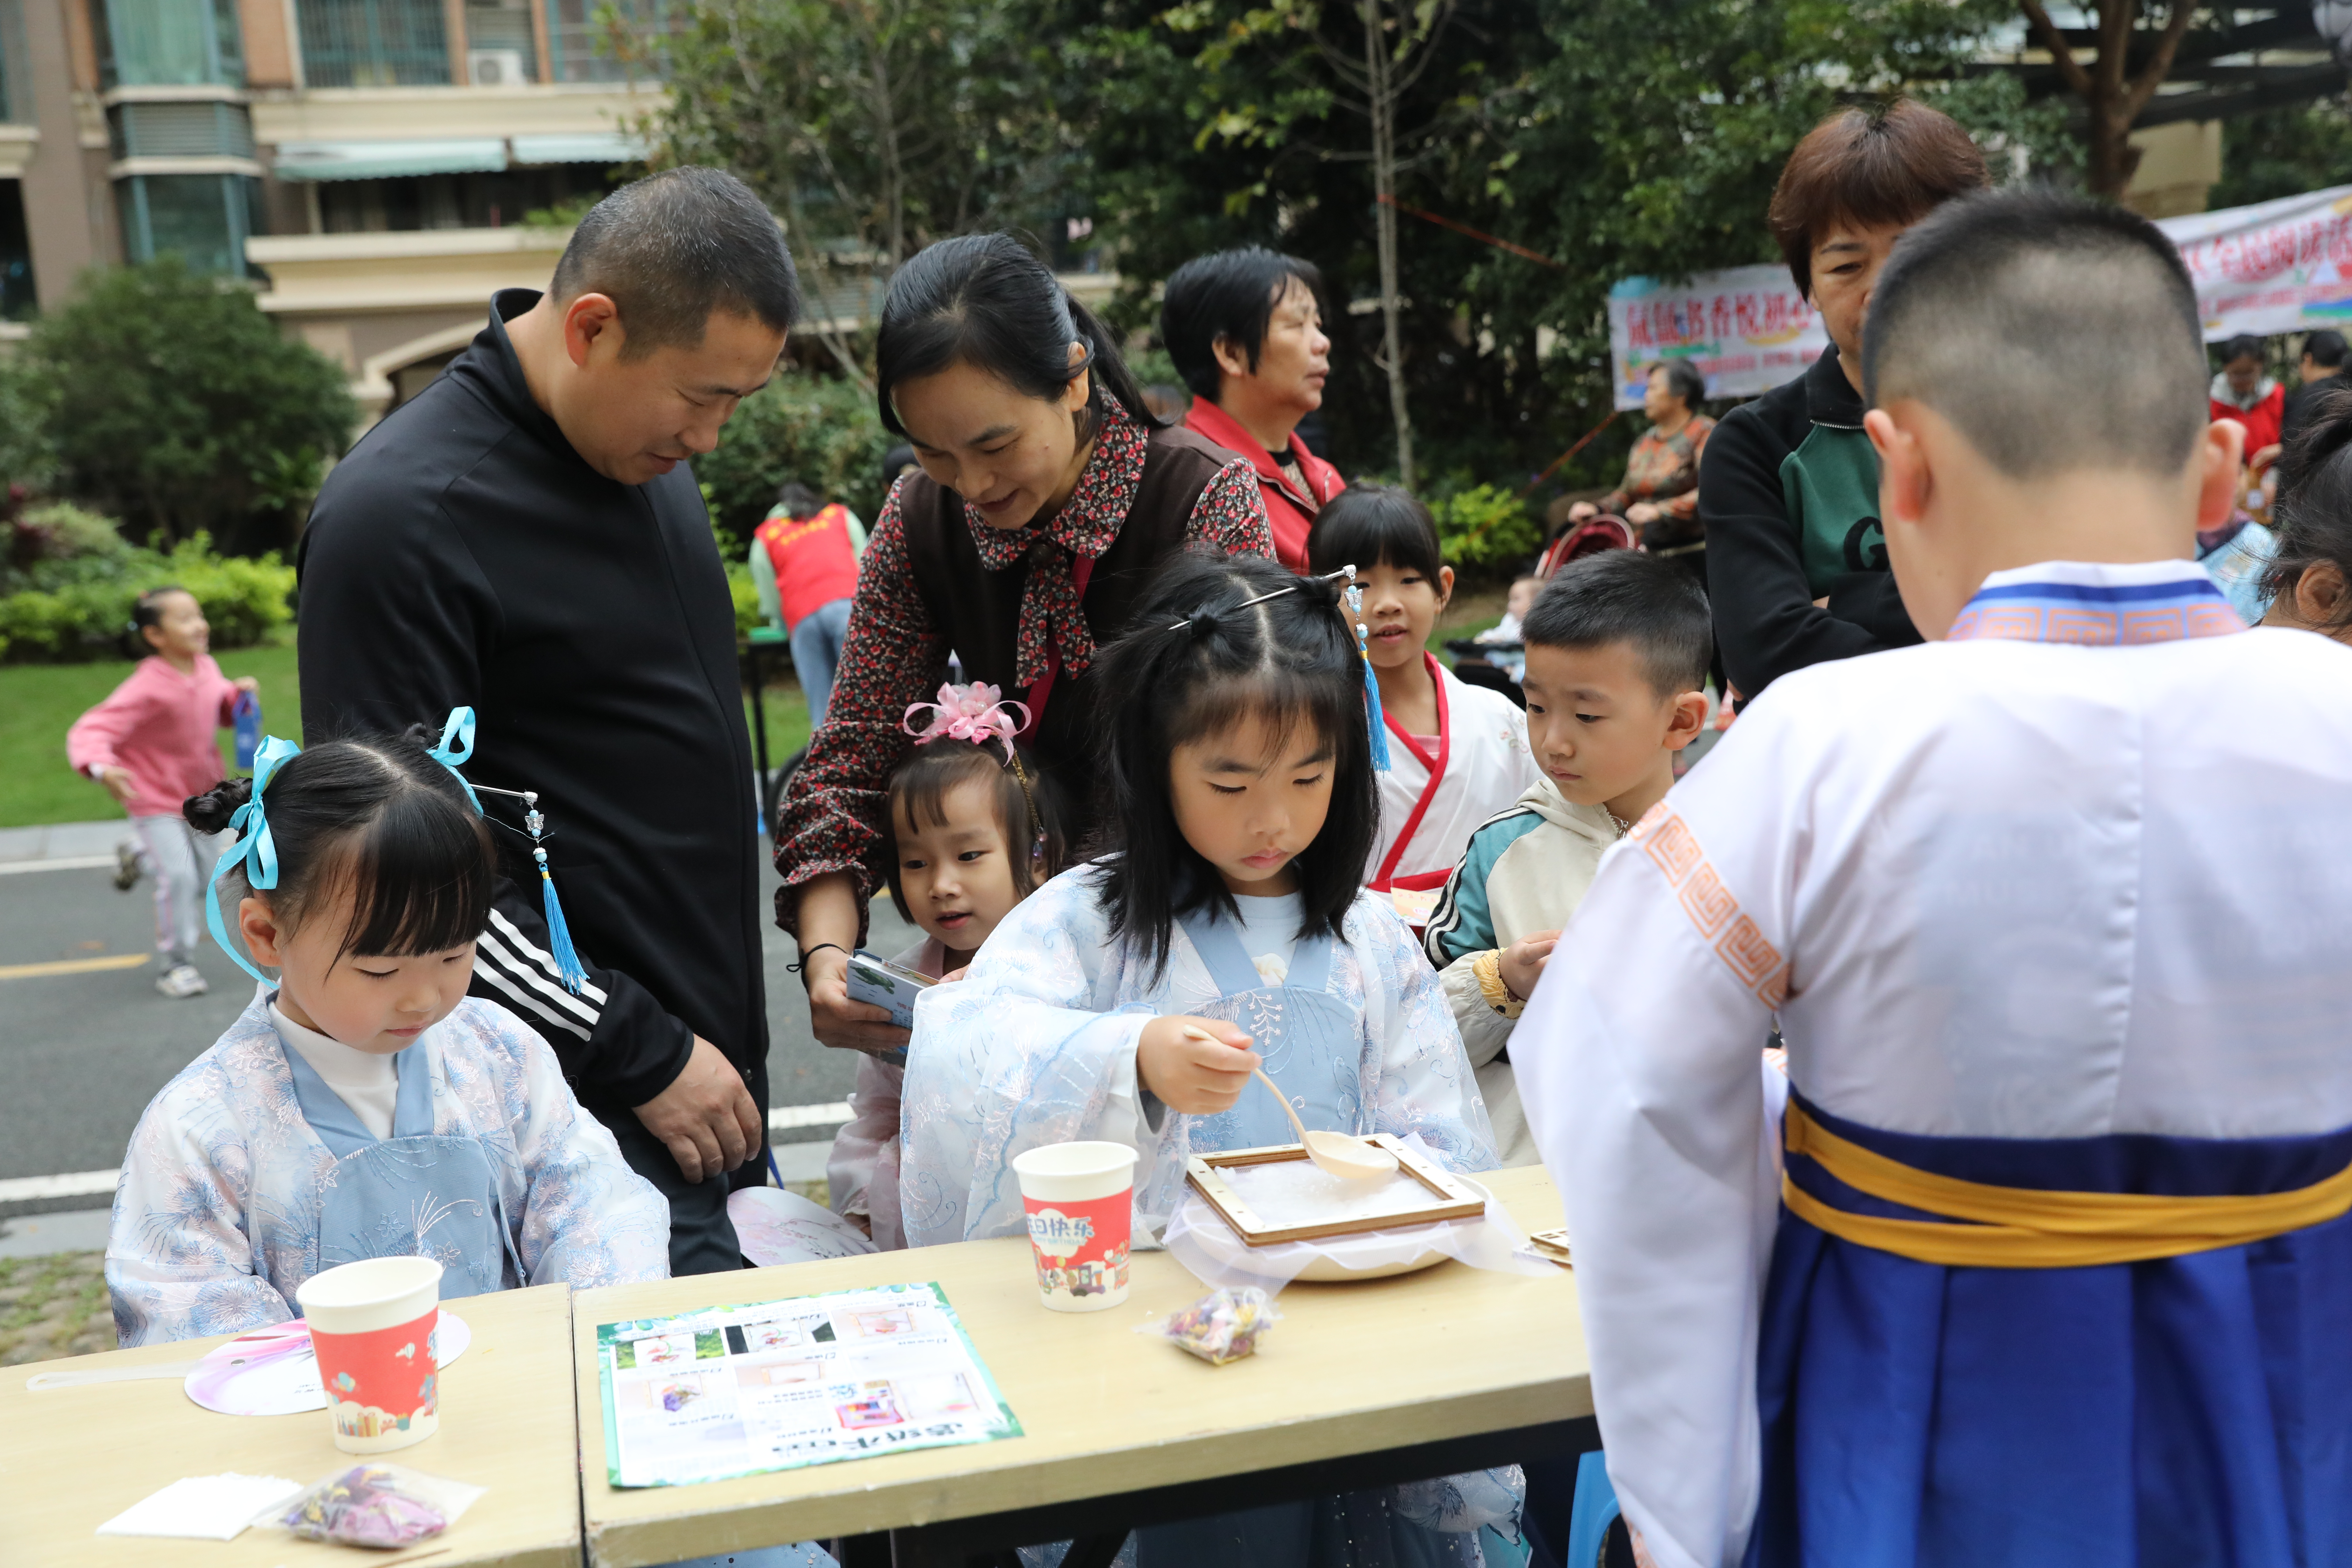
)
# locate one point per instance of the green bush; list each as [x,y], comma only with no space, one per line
[1485,525]
[74,604]
[817,430]
[167,397]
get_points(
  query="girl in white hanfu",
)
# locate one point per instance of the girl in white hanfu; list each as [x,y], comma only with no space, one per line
[363,1106]
[1456,753]
[1241,784]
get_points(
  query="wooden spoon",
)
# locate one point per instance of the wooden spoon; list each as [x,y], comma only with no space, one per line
[1337,1153]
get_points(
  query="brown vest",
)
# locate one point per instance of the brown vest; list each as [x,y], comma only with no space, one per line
[979,611]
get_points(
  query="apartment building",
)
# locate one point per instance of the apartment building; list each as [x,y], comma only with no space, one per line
[368,163]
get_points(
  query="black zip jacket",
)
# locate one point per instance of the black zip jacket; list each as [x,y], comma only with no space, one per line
[464,554]
[1788,489]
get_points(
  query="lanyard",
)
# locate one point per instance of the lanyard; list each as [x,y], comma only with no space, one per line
[1082,570]
[1437,775]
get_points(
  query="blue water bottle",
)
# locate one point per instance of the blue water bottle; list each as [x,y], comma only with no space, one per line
[246,716]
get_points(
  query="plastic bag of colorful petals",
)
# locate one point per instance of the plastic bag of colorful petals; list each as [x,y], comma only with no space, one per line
[1223,1325]
[375,1505]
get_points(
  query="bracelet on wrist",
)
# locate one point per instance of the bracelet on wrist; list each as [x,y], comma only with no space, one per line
[801,968]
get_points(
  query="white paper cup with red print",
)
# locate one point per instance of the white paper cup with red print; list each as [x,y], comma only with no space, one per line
[1081,1204]
[371,1327]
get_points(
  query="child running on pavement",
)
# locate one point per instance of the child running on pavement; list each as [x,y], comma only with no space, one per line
[153,744]
[972,835]
[363,1106]
[1457,752]
[1617,652]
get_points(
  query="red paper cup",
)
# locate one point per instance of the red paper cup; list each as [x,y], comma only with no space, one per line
[1081,1204]
[372,1325]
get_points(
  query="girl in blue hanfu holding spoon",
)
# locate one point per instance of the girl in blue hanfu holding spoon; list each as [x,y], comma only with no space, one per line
[363,1106]
[1129,999]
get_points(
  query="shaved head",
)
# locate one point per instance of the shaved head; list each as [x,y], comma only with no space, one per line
[2054,333]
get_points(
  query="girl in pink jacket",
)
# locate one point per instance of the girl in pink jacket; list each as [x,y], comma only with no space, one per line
[153,744]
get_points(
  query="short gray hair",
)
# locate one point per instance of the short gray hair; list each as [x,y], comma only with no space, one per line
[675,249]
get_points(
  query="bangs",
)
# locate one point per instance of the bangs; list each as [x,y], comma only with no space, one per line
[1869,170]
[1282,699]
[1374,525]
[421,875]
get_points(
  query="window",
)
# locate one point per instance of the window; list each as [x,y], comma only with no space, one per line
[453,201]
[16,100]
[373,42]
[208,128]
[500,51]
[169,43]
[205,219]
[585,47]
[16,256]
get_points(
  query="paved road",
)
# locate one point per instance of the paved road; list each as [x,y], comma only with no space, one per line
[81,1055]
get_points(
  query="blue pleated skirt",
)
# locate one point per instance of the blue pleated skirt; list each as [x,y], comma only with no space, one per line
[2193,1410]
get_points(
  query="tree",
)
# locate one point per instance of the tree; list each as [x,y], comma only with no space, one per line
[872,126]
[1397,44]
[174,402]
[1612,137]
[2113,93]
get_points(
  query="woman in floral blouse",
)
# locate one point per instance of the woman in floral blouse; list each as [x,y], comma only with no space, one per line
[1660,494]
[1048,495]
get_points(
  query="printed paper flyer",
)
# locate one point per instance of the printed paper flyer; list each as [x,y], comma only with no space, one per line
[775,1385]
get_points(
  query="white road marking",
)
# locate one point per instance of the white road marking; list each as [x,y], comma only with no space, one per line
[90,1184]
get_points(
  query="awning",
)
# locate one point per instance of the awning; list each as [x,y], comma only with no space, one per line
[388,160]
[589,147]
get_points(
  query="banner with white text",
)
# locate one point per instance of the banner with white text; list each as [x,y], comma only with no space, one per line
[2275,267]
[1746,328]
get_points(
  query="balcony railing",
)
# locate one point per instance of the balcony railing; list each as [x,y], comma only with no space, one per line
[373,42]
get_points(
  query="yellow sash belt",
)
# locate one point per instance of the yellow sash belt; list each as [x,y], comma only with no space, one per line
[2022,1228]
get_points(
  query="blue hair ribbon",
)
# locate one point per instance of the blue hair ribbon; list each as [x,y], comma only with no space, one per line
[254,849]
[456,748]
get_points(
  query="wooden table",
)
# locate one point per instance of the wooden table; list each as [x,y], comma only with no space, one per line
[1424,1374]
[71,1458]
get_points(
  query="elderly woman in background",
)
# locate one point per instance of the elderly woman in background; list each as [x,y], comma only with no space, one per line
[1659,495]
[1245,330]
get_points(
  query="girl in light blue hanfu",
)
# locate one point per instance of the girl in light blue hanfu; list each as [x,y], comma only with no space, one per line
[1240,770]
[363,1106]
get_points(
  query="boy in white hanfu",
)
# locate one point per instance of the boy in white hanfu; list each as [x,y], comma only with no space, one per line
[2051,1265]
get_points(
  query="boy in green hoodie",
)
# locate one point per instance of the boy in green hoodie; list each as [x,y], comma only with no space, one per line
[1617,649]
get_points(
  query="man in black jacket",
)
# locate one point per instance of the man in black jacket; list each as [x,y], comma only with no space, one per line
[1787,489]
[525,538]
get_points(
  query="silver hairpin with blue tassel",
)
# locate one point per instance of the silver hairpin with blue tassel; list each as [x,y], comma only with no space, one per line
[1353,596]
[456,748]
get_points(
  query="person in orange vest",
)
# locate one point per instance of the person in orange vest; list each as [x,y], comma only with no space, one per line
[1245,330]
[805,563]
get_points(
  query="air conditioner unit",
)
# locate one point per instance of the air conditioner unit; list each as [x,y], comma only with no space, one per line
[496,67]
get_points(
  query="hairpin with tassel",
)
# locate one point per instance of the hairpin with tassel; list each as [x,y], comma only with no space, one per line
[1353,596]
[456,749]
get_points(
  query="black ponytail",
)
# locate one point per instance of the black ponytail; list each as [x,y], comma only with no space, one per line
[377,815]
[1291,660]
[2313,505]
[984,301]
[147,610]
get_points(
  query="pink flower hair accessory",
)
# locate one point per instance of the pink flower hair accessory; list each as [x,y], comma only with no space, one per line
[976,713]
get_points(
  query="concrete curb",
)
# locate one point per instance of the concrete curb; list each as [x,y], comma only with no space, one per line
[86,842]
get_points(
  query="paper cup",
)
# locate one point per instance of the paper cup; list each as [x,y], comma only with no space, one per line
[372,1325]
[1081,1204]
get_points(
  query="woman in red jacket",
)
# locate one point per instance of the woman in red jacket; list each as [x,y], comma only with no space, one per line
[2242,391]
[1246,330]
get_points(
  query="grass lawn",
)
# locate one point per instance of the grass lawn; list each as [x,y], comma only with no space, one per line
[39,703]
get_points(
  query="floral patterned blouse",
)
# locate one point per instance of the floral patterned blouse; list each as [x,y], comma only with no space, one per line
[833,818]
[1663,471]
